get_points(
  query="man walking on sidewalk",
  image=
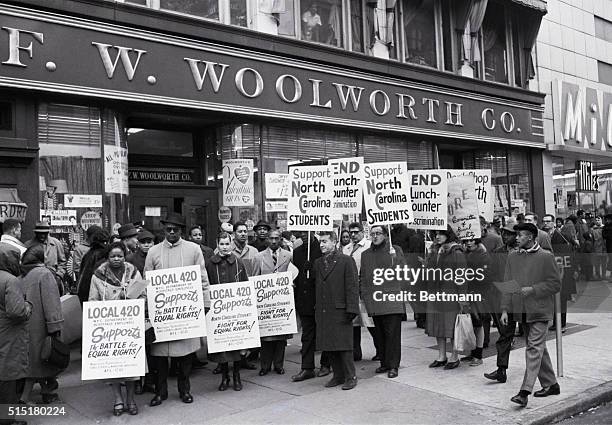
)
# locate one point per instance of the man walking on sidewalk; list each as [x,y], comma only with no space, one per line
[337,304]
[537,275]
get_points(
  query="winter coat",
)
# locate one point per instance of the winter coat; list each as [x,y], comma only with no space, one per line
[77,255]
[207,251]
[137,259]
[90,263]
[221,270]
[165,256]
[479,259]
[259,244]
[606,233]
[14,314]
[41,290]
[537,269]
[105,286]
[246,255]
[378,257]
[599,244]
[55,258]
[304,291]
[337,301]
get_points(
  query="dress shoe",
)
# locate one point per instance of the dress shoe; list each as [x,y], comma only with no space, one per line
[52,384]
[451,365]
[280,371]
[381,369]
[520,399]
[225,381]
[303,375]
[499,375]
[437,363]
[237,381]
[350,383]
[324,371]
[376,358]
[545,392]
[187,398]
[467,358]
[263,372]
[333,383]
[156,401]
[392,373]
[476,362]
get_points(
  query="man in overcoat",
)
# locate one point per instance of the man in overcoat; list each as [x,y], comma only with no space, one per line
[172,252]
[304,294]
[537,275]
[337,304]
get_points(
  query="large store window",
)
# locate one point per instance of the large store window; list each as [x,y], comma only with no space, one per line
[420,32]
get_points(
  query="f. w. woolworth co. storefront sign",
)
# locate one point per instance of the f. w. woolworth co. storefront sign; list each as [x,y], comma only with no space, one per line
[50,52]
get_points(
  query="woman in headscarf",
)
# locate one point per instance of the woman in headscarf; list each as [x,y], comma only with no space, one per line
[111,281]
[41,290]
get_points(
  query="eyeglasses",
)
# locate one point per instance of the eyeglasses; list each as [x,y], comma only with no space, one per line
[376,233]
[172,229]
[354,231]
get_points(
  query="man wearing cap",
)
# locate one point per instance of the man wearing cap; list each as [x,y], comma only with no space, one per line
[145,242]
[55,259]
[499,258]
[536,273]
[261,232]
[174,251]
[129,236]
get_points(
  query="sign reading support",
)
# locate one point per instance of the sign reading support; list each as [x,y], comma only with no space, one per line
[428,193]
[113,339]
[348,176]
[463,207]
[310,199]
[386,190]
[176,303]
[275,304]
[232,319]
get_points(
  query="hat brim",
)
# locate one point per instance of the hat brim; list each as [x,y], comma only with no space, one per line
[129,234]
[164,222]
[42,230]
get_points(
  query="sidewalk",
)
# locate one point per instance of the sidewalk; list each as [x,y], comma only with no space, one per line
[418,395]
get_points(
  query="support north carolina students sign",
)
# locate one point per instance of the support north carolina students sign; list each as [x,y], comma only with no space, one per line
[310,198]
[387,193]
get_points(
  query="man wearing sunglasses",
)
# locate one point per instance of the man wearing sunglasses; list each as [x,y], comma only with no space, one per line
[174,251]
[354,250]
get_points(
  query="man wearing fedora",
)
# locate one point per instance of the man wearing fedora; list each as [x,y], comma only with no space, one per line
[55,259]
[129,237]
[174,251]
[261,229]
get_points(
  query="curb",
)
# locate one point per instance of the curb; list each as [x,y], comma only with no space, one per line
[565,408]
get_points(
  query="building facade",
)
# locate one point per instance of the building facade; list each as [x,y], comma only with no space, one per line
[574,57]
[116,111]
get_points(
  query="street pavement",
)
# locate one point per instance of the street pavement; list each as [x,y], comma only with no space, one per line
[595,416]
[419,395]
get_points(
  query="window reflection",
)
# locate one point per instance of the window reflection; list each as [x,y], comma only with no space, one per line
[420,29]
[203,8]
[238,13]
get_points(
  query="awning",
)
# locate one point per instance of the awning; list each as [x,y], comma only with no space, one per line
[539,5]
[576,153]
[11,206]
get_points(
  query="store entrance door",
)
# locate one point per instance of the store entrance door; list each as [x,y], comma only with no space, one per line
[198,205]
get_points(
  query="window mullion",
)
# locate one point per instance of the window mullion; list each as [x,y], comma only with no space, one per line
[509,49]
[402,33]
[438,34]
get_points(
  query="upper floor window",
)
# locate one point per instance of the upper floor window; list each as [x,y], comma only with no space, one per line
[321,21]
[420,32]
[232,12]
[495,44]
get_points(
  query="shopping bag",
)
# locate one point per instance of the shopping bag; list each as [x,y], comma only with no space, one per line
[465,338]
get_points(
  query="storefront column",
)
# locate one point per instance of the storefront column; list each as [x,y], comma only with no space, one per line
[115,175]
[538,183]
[547,173]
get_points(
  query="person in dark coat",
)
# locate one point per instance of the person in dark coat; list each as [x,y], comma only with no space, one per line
[446,254]
[224,267]
[14,314]
[536,273]
[606,233]
[41,290]
[138,257]
[401,235]
[304,294]
[91,261]
[387,314]
[337,304]
[261,230]
[414,257]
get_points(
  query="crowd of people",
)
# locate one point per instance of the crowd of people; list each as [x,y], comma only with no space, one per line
[334,293]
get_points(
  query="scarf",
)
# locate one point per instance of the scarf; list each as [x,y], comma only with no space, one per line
[534,248]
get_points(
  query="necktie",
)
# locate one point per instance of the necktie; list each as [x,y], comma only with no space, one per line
[355,248]
[274,257]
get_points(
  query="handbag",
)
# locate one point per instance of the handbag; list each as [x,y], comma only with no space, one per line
[464,336]
[54,352]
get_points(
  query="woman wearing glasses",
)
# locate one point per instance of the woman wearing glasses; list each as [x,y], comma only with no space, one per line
[446,253]
[225,267]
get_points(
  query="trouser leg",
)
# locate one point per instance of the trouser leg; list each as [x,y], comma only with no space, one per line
[535,334]
[504,342]
[325,359]
[279,354]
[308,342]
[337,365]
[185,365]
[161,384]
[266,354]
[379,323]
[357,353]
[376,338]
[546,376]
[347,363]
[393,336]
[150,377]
